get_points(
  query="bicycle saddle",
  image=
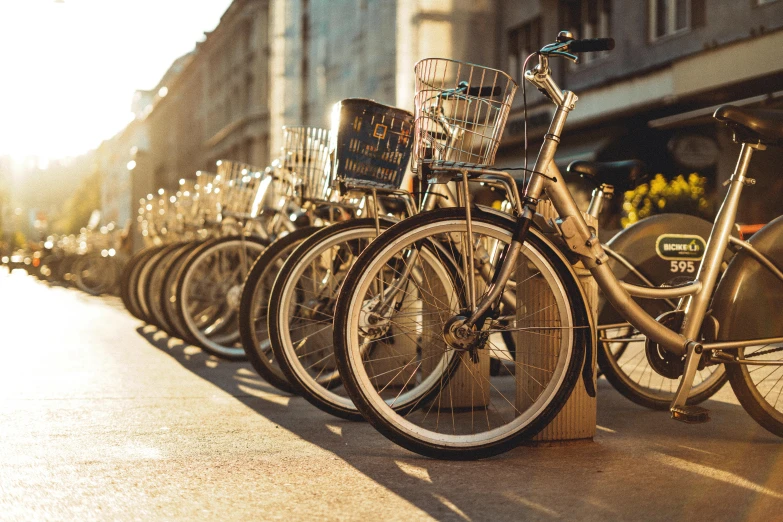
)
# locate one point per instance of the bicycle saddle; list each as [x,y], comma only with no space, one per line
[623,175]
[752,125]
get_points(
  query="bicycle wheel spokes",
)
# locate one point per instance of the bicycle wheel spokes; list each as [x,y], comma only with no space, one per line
[625,350]
[451,385]
[767,376]
[302,313]
[311,314]
[210,291]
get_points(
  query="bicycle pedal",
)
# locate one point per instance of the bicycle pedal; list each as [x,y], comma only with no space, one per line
[690,414]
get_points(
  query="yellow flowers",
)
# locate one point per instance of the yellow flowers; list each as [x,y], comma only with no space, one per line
[660,195]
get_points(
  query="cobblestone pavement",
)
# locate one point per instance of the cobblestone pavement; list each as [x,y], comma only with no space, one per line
[103,418]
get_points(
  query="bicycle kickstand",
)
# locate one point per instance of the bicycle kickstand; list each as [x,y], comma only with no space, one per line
[681,411]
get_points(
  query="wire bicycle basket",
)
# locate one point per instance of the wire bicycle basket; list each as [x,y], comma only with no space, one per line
[460,113]
[243,188]
[207,198]
[306,156]
[372,144]
[277,187]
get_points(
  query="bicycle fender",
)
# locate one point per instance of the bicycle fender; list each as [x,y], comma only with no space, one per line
[576,291]
[748,301]
[655,246]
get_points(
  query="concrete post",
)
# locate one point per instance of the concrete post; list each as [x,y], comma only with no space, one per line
[577,419]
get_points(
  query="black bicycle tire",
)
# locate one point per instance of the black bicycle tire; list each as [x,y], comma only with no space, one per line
[133,279]
[749,397]
[170,282]
[156,319]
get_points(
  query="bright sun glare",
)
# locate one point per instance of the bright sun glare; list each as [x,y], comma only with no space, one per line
[68,68]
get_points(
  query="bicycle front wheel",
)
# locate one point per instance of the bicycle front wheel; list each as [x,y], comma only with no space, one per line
[209,291]
[301,312]
[397,332]
[254,307]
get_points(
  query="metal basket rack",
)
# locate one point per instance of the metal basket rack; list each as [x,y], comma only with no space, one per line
[460,112]
[277,187]
[243,189]
[207,207]
[186,206]
[372,144]
[305,155]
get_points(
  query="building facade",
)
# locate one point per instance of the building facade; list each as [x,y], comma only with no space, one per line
[271,63]
[652,97]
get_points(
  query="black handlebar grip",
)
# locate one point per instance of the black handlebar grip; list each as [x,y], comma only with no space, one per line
[479,91]
[591,45]
[484,91]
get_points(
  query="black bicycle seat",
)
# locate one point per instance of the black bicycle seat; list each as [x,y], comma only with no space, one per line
[752,125]
[623,175]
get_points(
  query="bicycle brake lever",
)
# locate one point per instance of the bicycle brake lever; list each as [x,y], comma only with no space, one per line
[574,58]
[559,49]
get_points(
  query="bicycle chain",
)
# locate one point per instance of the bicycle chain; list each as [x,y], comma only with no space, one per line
[765,352]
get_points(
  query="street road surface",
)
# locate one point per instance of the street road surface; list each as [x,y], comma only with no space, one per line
[102,418]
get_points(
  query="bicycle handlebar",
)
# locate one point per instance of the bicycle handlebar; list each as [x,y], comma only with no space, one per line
[478,91]
[591,45]
[483,92]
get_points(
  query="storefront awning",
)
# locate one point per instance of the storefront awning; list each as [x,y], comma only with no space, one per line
[705,115]
[586,151]
[566,153]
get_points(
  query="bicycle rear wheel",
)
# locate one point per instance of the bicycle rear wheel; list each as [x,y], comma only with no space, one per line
[153,285]
[168,296]
[624,364]
[759,387]
[130,280]
[474,413]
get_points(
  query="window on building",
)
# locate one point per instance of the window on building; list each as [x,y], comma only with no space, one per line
[587,19]
[249,156]
[247,34]
[668,17]
[249,94]
[522,41]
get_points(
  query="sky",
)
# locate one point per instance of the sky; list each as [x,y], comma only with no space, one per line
[69,68]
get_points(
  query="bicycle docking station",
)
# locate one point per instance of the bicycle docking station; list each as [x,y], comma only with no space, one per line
[577,419]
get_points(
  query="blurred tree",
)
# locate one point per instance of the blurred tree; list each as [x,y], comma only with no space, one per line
[20,241]
[76,210]
[660,196]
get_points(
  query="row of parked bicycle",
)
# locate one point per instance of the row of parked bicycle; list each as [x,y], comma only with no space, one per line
[91,261]
[456,329]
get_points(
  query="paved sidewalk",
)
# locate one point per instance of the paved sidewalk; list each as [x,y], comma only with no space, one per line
[102,418]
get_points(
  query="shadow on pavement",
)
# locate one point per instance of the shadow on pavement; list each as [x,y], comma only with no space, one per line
[641,464]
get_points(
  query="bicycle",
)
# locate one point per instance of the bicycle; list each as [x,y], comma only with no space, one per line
[210,280]
[637,255]
[553,329]
[304,162]
[371,150]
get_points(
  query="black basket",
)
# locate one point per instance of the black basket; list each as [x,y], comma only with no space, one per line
[372,143]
